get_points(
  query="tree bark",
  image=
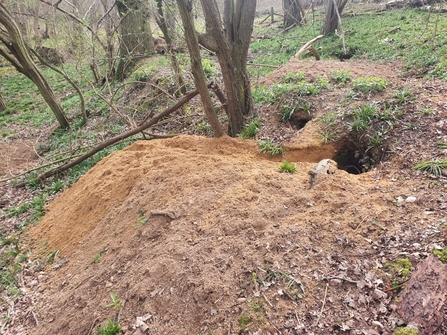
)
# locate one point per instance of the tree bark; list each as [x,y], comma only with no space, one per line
[2,104]
[185,9]
[14,49]
[331,18]
[292,13]
[136,40]
[163,24]
[232,49]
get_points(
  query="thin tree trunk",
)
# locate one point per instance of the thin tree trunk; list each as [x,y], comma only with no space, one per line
[196,65]
[19,56]
[163,25]
[292,13]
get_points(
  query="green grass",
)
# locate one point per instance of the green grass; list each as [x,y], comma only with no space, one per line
[370,84]
[287,167]
[110,328]
[420,43]
[434,167]
[269,147]
[250,129]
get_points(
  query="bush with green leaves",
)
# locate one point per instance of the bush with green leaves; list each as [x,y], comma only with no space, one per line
[370,84]
[269,147]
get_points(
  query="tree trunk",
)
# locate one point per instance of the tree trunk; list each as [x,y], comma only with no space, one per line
[185,10]
[331,18]
[292,13]
[163,24]
[136,40]
[231,46]
[17,54]
[2,104]
[36,28]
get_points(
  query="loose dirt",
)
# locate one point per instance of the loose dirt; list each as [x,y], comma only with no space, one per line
[205,236]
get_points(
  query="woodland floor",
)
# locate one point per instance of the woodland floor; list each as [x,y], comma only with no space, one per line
[204,236]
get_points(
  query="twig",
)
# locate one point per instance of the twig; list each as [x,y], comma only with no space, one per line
[322,307]
[93,326]
[341,278]
[267,301]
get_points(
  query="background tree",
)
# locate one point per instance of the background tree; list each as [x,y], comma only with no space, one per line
[230,40]
[135,32]
[14,49]
[292,13]
[185,9]
[331,18]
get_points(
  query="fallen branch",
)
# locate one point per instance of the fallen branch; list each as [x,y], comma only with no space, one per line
[307,46]
[39,167]
[188,96]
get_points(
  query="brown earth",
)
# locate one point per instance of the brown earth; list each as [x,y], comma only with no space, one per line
[205,236]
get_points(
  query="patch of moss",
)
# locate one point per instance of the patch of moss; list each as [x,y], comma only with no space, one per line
[442,254]
[405,331]
[400,267]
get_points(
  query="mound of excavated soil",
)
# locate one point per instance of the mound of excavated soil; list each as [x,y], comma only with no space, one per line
[205,236]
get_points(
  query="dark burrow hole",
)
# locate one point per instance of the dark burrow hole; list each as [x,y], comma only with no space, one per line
[299,119]
[354,159]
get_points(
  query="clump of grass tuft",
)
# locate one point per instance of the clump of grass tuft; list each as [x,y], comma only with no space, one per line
[403,95]
[251,129]
[110,328]
[287,167]
[269,147]
[370,84]
[433,167]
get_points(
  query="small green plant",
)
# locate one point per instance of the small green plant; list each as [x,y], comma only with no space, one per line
[287,167]
[250,129]
[287,113]
[269,147]
[425,111]
[375,141]
[256,306]
[291,78]
[243,321]
[116,303]
[403,95]
[110,328]
[370,84]
[441,145]
[55,187]
[433,167]
[209,68]
[322,82]
[340,76]
[326,137]
[442,254]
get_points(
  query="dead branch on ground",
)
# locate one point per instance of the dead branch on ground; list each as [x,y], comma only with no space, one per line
[188,96]
[308,46]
